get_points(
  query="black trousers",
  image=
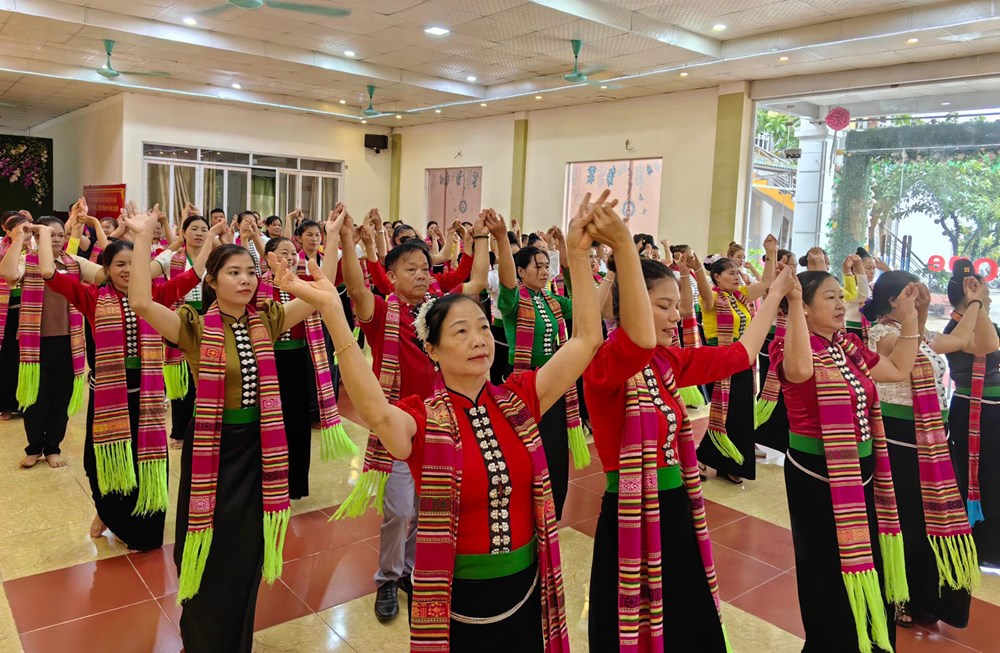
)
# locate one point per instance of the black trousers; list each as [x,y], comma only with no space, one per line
[10,355]
[294,371]
[45,420]
[555,442]
[690,620]
[182,410]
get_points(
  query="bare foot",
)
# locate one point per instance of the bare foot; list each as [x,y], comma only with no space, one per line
[29,461]
[176,444]
[55,460]
[97,527]
[6,415]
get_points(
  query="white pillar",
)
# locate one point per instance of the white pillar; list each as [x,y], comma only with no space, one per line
[813,186]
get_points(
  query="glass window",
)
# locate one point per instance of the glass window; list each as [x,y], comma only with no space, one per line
[311,204]
[635,183]
[184,188]
[262,191]
[220,156]
[236,192]
[169,152]
[331,191]
[266,161]
[158,186]
[287,196]
[321,166]
[215,190]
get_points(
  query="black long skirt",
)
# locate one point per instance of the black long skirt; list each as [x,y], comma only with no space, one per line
[500,356]
[294,371]
[826,612]
[986,533]
[774,432]
[115,510]
[690,620]
[182,410]
[10,358]
[944,603]
[220,616]
[739,425]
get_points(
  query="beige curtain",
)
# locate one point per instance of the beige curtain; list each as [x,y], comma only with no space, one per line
[184,184]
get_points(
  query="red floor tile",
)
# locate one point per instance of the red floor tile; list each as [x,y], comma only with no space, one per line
[362,528]
[739,573]
[587,526]
[982,634]
[330,578]
[157,570]
[776,601]
[313,532]
[594,483]
[277,604]
[173,611]
[580,505]
[758,539]
[139,628]
[57,596]
[719,515]
[698,428]
[918,640]
[592,468]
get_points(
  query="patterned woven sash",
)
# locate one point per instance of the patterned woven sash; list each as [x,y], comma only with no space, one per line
[112,422]
[726,314]
[437,525]
[690,337]
[4,291]
[205,457]
[370,487]
[974,500]
[30,338]
[524,341]
[771,391]
[175,368]
[840,423]
[334,442]
[948,528]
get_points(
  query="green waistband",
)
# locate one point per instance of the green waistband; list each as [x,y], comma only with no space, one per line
[133,363]
[483,566]
[988,391]
[296,343]
[16,292]
[897,411]
[241,415]
[196,305]
[667,478]
[805,444]
[851,324]
[773,328]
[712,342]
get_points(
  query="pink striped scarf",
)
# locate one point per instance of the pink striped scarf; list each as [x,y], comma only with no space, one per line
[726,314]
[175,369]
[5,291]
[771,391]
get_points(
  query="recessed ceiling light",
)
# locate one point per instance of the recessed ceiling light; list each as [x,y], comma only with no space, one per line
[470,78]
[437,110]
[236,86]
[604,88]
[189,21]
[685,74]
[399,117]
[348,53]
[482,104]
[946,104]
[437,31]
[782,58]
[913,40]
[719,27]
[364,122]
[538,97]
[343,101]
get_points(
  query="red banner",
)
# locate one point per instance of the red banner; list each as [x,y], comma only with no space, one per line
[105,201]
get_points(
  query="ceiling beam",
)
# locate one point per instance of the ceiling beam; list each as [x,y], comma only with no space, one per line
[604,13]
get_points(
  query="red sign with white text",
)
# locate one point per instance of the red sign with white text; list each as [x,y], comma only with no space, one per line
[937,262]
[105,201]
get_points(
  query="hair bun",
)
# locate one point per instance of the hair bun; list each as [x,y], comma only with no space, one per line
[962,268]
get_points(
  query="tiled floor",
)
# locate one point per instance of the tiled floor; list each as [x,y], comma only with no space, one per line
[63,591]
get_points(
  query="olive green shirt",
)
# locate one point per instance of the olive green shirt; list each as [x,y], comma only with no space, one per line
[545,345]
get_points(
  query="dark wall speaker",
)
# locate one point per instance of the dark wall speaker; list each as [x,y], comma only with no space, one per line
[377,142]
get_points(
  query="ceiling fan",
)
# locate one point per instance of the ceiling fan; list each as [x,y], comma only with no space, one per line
[371,110]
[315,10]
[582,76]
[109,71]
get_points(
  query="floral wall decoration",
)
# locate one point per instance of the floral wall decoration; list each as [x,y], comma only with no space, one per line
[25,173]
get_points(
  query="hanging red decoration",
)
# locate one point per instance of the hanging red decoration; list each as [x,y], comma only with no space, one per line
[838,118]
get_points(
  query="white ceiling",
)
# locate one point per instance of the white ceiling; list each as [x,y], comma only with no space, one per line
[49,50]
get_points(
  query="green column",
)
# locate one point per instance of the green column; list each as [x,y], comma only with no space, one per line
[732,138]
[396,160]
[520,166]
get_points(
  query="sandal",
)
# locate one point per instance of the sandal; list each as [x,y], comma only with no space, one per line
[903,617]
[702,472]
[732,478]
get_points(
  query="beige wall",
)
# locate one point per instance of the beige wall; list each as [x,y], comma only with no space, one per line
[86,149]
[679,127]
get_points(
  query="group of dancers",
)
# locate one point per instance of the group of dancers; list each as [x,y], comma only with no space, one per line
[486,350]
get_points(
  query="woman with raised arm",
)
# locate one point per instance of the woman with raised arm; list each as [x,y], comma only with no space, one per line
[10,313]
[975,409]
[728,446]
[653,578]
[941,565]
[232,508]
[488,575]
[841,498]
[125,453]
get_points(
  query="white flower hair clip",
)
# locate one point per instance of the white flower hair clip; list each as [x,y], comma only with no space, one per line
[420,323]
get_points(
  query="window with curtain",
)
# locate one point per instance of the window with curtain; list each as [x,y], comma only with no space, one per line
[453,194]
[635,183]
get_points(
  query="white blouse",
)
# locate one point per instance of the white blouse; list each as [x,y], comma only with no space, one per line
[901,394]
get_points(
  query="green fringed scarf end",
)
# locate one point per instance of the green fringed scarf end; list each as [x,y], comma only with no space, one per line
[335,443]
[725,638]
[957,561]
[867,607]
[153,494]
[76,399]
[275,527]
[578,448]
[692,397]
[725,446]
[369,489]
[894,568]
[175,380]
[115,469]
[27,384]
[762,412]
[194,557]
